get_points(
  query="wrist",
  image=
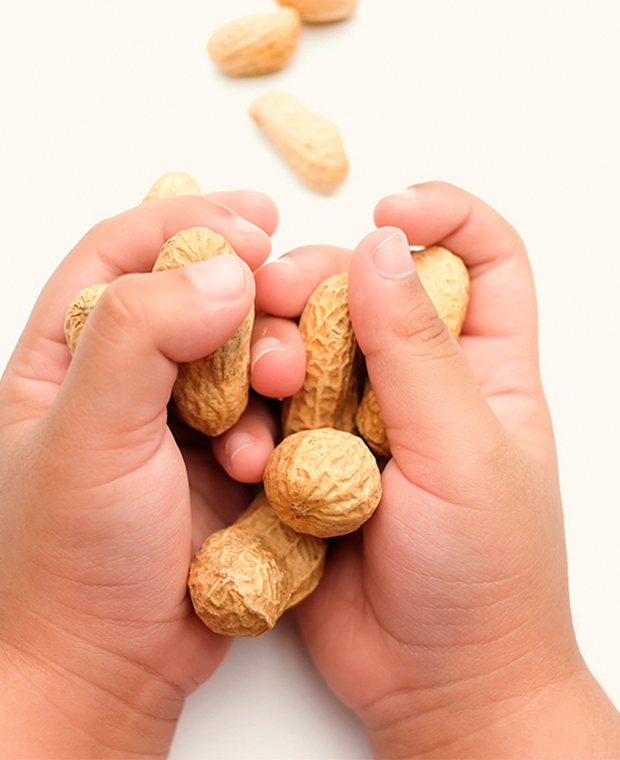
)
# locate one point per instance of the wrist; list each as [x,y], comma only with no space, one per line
[568,716]
[91,705]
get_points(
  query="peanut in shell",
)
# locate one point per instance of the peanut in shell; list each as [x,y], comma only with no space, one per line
[322,11]
[323,482]
[210,393]
[330,394]
[446,280]
[172,184]
[311,143]
[78,312]
[257,44]
[244,577]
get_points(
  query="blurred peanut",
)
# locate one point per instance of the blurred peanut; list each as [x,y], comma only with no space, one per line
[257,44]
[310,143]
[171,184]
[322,11]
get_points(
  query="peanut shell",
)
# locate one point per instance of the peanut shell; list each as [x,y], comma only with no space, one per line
[210,393]
[329,396]
[257,44]
[370,423]
[323,482]
[244,577]
[446,280]
[310,143]
[78,312]
[172,184]
[322,11]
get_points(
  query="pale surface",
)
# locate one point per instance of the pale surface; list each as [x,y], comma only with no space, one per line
[516,101]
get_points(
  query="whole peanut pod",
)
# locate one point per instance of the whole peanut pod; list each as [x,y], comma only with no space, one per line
[323,482]
[446,280]
[260,43]
[78,311]
[244,577]
[330,394]
[310,142]
[171,184]
[210,393]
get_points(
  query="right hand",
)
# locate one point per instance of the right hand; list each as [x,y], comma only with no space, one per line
[445,622]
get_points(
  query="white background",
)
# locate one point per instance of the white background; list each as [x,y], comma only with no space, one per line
[514,100]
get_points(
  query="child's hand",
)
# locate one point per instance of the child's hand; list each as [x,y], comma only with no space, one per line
[97,635]
[445,622]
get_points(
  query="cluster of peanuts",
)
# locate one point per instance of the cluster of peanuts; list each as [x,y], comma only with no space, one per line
[323,479]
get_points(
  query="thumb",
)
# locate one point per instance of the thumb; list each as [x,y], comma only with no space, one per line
[120,379]
[434,412]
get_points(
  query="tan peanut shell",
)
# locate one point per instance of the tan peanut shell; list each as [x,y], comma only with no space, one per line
[322,11]
[257,44]
[171,184]
[210,393]
[329,396]
[310,143]
[244,577]
[323,482]
[370,424]
[446,280]
[78,312]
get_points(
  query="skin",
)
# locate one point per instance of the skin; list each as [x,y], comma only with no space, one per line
[445,622]
[102,506]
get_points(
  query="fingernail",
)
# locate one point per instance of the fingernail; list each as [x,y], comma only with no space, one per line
[221,278]
[246,228]
[284,259]
[408,194]
[266,346]
[236,442]
[392,257]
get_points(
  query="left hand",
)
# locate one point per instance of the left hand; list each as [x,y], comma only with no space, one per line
[101,506]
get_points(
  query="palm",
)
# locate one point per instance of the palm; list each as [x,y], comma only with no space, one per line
[389,597]
[131,525]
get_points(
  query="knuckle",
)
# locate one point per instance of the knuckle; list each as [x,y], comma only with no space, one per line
[102,230]
[423,328]
[122,309]
[218,209]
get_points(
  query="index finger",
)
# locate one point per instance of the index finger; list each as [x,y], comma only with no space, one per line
[129,242]
[284,285]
